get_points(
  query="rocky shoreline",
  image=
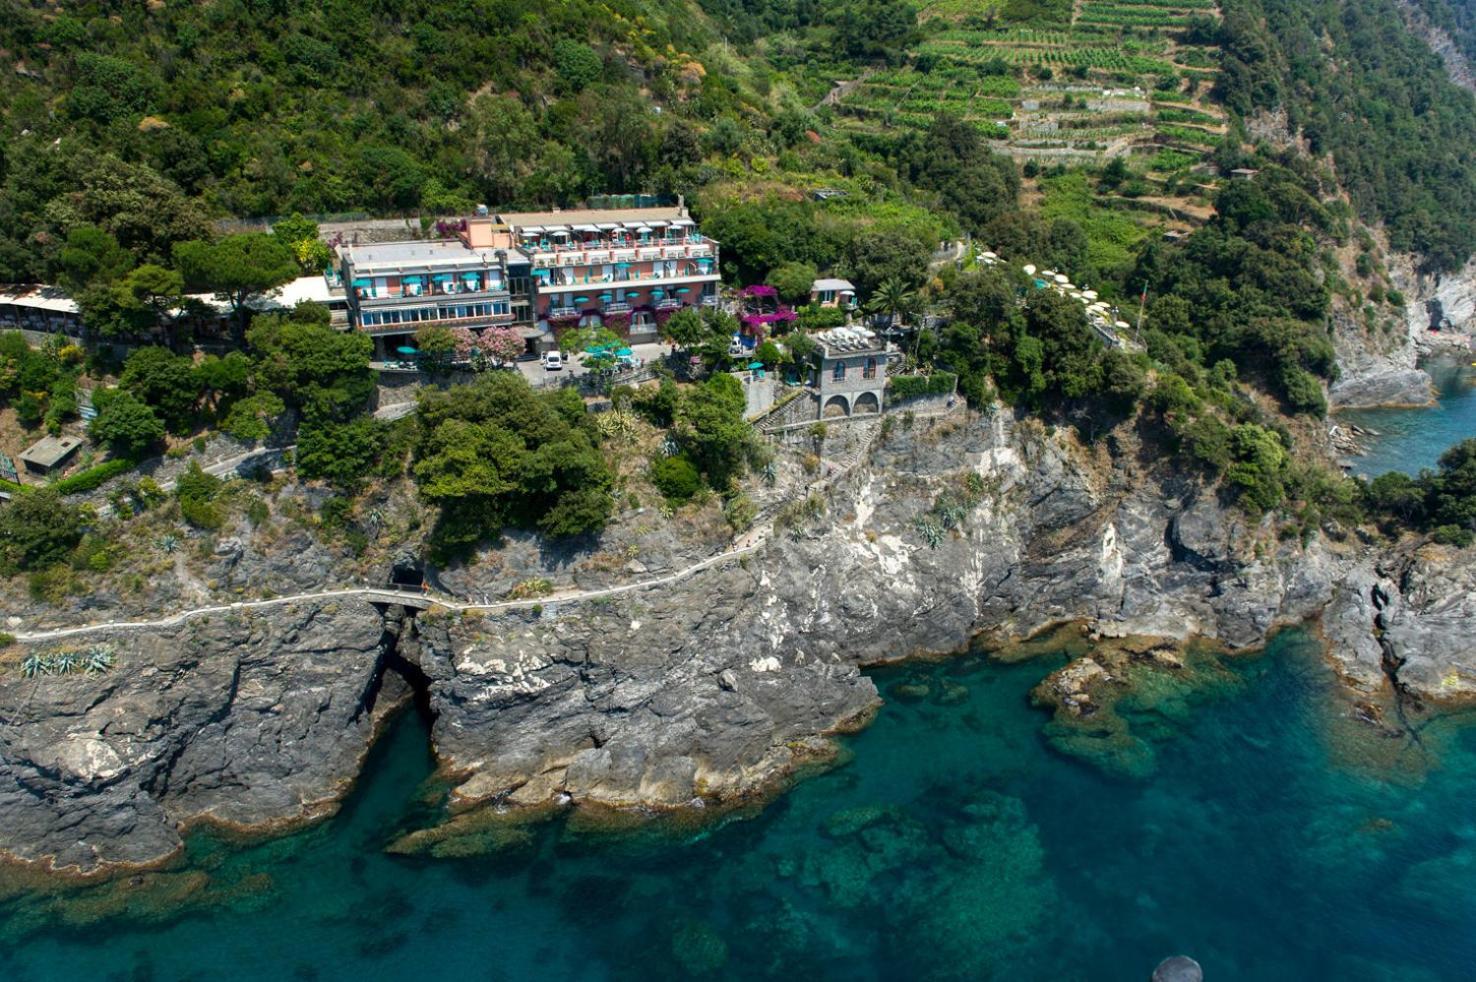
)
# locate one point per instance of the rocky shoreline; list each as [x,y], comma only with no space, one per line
[715,689]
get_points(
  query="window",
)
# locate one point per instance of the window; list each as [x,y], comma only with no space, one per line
[870,370]
[839,372]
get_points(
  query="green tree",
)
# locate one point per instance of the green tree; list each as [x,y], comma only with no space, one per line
[38,529]
[239,267]
[495,453]
[713,432]
[196,492]
[341,453]
[893,298]
[252,418]
[793,281]
[676,478]
[125,423]
[684,329]
[300,236]
[577,64]
[320,371]
[91,255]
[165,381]
[437,344]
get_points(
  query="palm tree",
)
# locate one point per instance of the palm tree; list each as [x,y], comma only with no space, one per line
[893,298]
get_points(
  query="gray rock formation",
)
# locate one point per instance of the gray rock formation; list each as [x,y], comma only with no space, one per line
[241,720]
[714,686]
[1400,387]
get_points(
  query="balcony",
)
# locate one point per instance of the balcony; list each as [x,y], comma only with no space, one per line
[388,297]
[557,312]
[617,307]
[410,327]
[670,303]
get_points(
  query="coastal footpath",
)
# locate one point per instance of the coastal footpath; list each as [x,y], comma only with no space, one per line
[708,688]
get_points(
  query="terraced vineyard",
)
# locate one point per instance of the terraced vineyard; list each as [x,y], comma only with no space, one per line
[1112,77]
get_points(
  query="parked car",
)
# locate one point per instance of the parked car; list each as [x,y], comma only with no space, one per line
[553,361]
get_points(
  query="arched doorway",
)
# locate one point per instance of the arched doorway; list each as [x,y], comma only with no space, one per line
[836,406]
[865,403]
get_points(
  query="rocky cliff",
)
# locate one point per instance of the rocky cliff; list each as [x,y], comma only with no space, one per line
[714,687]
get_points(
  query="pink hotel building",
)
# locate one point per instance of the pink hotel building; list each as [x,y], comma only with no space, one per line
[626,268]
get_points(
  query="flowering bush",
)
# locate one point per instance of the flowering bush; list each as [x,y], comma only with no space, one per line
[617,322]
[501,344]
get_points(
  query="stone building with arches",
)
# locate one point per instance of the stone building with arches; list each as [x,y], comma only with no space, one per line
[851,378]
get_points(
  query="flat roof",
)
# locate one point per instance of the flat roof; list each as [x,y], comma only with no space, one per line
[420,252]
[590,216]
[51,450]
[38,297]
[849,340]
[314,288]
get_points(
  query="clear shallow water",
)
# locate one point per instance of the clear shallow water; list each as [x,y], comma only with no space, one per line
[954,844]
[1410,440]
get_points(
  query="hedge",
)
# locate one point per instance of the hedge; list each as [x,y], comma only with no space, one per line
[901,387]
[94,477]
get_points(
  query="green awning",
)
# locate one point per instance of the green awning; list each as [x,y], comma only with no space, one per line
[581,299]
[442,278]
[632,294]
[363,283]
[683,289]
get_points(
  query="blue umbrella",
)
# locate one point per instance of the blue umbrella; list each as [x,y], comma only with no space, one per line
[405,349]
[632,294]
[581,299]
[624,352]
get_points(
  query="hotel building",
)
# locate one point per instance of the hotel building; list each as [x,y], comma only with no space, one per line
[396,288]
[540,272]
[627,268]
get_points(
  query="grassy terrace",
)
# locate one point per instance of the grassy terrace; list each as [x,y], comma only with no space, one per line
[1083,81]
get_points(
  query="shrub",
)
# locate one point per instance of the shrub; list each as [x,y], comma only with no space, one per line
[676,478]
[94,477]
[904,387]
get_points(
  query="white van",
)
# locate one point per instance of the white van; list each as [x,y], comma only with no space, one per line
[553,361]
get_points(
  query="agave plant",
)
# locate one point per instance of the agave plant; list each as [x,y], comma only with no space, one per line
[931,531]
[33,666]
[617,423]
[65,661]
[100,658]
[167,543]
[670,447]
[771,473]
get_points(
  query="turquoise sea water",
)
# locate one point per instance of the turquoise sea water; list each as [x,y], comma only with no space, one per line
[954,843]
[1412,439]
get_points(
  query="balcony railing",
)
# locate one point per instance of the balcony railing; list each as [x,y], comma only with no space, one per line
[370,296]
[618,307]
[563,312]
[670,303]
[710,300]
[544,259]
[605,245]
[633,281]
[410,327]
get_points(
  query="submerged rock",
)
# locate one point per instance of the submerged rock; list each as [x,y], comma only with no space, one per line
[1179,968]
